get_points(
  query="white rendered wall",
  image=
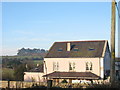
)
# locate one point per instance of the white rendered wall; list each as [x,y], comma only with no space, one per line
[80,64]
[33,76]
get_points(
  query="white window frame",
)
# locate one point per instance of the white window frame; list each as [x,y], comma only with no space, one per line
[55,66]
[89,66]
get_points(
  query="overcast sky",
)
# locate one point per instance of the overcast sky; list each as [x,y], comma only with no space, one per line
[40,24]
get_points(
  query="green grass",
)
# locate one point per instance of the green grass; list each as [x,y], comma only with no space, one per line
[7,73]
[21,57]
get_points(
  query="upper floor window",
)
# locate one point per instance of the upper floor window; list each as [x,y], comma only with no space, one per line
[72,66]
[89,66]
[55,66]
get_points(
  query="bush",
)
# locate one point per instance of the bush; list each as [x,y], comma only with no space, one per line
[64,81]
[19,72]
[116,85]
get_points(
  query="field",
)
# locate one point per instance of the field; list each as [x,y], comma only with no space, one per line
[7,73]
[14,66]
[23,57]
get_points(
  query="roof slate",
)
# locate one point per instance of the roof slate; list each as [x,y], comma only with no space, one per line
[80,75]
[37,69]
[85,49]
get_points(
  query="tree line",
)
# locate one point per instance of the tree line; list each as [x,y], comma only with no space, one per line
[13,67]
[28,52]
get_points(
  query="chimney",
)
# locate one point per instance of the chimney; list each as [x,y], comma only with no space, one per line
[68,46]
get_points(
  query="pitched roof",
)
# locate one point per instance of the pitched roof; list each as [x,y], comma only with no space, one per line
[77,49]
[78,75]
[37,69]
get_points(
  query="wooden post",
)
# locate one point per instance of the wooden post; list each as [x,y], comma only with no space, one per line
[8,83]
[119,30]
[16,85]
[112,66]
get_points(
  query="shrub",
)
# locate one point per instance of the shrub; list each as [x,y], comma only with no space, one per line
[64,81]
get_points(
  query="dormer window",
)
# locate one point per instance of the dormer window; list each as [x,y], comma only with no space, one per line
[75,49]
[91,49]
[60,49]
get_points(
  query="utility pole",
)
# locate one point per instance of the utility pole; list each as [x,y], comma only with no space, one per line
[112,66]
[119,29]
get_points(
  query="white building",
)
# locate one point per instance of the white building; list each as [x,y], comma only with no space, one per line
[77,60]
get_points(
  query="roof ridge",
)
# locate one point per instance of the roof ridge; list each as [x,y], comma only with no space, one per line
[82,41]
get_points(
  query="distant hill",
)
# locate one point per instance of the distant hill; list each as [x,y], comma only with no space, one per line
[32,52]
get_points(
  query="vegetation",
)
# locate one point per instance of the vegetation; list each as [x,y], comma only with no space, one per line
[116,85]
[64,81]
[19,72]
[37,57]
[11,61]
[7,74]
[29,52]
[13,67]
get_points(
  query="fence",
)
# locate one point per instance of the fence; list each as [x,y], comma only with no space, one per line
[20,84]
[23,84]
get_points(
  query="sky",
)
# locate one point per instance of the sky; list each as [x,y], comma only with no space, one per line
[40,24]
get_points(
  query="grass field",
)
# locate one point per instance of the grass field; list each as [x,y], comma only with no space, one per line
[7,73]
[21,57]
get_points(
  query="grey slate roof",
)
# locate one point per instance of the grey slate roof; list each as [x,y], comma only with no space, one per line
[78,49]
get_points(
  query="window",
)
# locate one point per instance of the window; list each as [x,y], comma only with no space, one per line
[60,49]
[91,49]
[72,66]
[55,66]
[76,49]
[89,66]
